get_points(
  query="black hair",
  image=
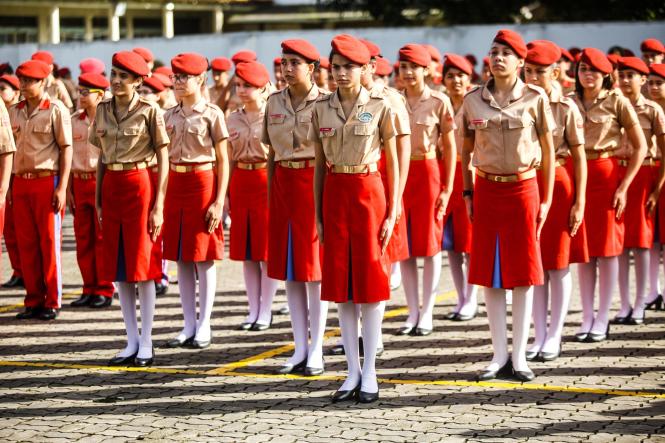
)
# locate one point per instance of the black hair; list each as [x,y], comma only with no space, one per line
[311,62]
[579,90]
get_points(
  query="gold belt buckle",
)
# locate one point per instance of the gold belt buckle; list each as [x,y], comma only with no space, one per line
[181,168]
[502,179]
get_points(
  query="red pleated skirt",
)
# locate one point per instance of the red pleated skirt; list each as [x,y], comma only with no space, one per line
[248,195]
[186,236]
[424,231]
[639,225]
[604,232]
[127,198]
[398,247]
[354,208]
[457,224]
[660,214]
[294,252]
[504,250]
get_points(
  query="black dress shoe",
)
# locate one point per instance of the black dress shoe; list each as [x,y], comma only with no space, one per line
[503,372]
[99,301]
[635,321]
[83,300]
[368,397]
[48,314]
[245,326]
[450,316]
[465,317]
[656,304]
[595,337]
[14,282]
[421,332]
[160,288]
[291,368]
[122,361]
[28,313]
[336,350]
[177,343]
[310,372]
[405,330]
[622,320]
[549,356]
[524,376]
[199,344]
[259,327]
[531,355]
[581,337]
[145,362]
[345,395]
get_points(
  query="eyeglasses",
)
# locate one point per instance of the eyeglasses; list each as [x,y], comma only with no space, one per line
[84,92]
[145,91]
[180,78]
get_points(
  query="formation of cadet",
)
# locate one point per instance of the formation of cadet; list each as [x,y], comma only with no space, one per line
[342,173]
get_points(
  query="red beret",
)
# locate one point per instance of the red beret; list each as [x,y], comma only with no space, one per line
[383,67]
[277,61]
[574,50]
[253,73]
[132,62]
[578,56]
[415,53]
[434,53]
[63,72]
[627,53]
[542,52]
[634,63]
[597,60]
[154,84]
[486,61]
[351,48]
[458,62]
[324,63]
[163,70]
[243,56]
[512,39]
[12,80]
[221,64]
[189,63]
[43,56]
[145,53]
[614,59]
[374,50]
[36,69]
[396,66]
[652,45]
[93,80]
[655,69]
[93,65]
[163,79]
[302,48]
[472,59]
[566,54]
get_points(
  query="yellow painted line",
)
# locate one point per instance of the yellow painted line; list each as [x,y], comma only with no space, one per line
[286,348]
[448,383]
[9,308]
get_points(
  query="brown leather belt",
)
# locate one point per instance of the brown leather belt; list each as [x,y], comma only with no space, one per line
[595,155]
[84,175]
[36,174]
[647,162]
[126,166]
[297,164]
[251,166]
[354,169]
[426,156]
[189,168]
[508,178]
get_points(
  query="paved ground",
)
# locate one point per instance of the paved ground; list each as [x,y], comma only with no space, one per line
[54,385]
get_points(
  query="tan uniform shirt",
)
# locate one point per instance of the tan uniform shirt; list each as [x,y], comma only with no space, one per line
[245,137]
[358,140]
[286,129]
[40,136]
[6,137]
[215,94]
[56,89]
[569,130]
[652,121]
[86,155]
[432,116]
[604,119]
[193,137]
[397,104]
[506,139]
[133,138]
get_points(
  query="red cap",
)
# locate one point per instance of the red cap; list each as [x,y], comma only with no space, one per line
[434,53]
[221,64]
[302,48]
[243,56]
[189,63]
[277,61]
[93,65]
[12,80]
[130,61]
[574,50]
[458,62]
[597,60]
[486,61]
[383,67]
[566,54]
[163,79]
[36,69]
[163,70]
[542,52]
[655,69]
[374,50]
[145,53]
[154,84]
[351,48]
[472,59]
[324,63]
[652,45]
[63,71]
[93,80]
[512,39]
[44,56]
[634,63]
[253,73]
[415,53]
[396,66]
[614,59]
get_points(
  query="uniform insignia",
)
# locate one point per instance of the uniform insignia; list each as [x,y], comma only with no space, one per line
[478,121]
[325,129]
[365,117]
[277,115]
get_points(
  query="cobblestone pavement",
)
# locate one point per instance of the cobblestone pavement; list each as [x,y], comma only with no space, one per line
[55,386]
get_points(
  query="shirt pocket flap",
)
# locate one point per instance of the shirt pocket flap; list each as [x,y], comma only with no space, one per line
[198,130]
[363,130]
[305,118]
[478,123]
[135,130]
[427,121]
[516,123]
[599,118]
[326,132]
[41,129]
[276,119]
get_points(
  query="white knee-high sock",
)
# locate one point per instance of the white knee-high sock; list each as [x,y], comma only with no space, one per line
[207,286]
[540,304]
[495,301]
[431,276]
[348,323]
[147,300]
[624,281]
[654,272]
[268,290]
[561,288]
[251,270]
[608,268]
[522,303]
[372,317]
[456,264]
[127,296]
[587,278]
[296,296]
[395,274]
[470,305]
[187,289]
[409,269]
[318,314]
[641,275]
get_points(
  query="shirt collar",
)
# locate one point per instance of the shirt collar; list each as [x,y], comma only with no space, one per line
[515,94]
